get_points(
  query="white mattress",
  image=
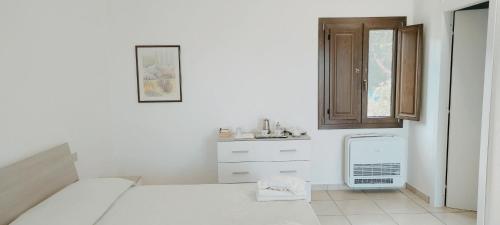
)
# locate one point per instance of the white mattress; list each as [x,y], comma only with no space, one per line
[208,204]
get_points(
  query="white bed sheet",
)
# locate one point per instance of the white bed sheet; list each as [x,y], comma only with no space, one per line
[207,204]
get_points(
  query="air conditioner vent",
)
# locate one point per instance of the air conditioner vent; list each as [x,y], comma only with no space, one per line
[374,181]
[375,161]
[378,169]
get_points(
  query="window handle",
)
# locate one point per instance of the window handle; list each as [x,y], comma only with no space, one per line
[365,85]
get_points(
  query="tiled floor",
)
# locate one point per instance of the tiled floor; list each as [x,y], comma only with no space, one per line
[383,208]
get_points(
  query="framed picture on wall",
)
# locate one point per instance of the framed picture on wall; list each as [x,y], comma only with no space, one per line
[158,73]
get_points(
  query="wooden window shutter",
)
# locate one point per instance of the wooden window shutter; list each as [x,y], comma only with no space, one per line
[409,72]
[344,53]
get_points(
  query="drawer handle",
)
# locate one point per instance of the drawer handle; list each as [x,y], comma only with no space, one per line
[288,150]
[241,173]
[288,171]
[240,151]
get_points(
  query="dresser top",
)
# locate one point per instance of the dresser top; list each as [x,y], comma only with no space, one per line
[289,138]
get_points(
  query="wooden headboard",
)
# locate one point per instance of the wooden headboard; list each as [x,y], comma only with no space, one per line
[26,183]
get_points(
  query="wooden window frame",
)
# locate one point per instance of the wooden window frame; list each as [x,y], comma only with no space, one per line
[368,23]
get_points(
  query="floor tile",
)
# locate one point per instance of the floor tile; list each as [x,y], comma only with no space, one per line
[373,219]
[333,220]
[416,219]
[399,206]
[353,207]
[467,218]
[320,196]
[325,208]
[347,195]
[385,194]
[431,209]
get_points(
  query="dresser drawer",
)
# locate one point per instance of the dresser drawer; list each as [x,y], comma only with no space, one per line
[264,151]
[240,151]
[253,171]
[239,172]
[283,150]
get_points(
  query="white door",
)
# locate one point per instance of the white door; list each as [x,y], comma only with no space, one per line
[469,49]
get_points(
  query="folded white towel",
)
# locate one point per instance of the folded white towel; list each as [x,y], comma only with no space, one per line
[290,184]
[281,188]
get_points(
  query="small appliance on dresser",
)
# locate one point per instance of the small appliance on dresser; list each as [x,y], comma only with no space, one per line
[249,160]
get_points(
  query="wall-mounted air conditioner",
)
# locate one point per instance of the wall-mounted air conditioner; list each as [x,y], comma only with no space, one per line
[375,161]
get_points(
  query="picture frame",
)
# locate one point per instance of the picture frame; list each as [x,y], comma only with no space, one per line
[158,69]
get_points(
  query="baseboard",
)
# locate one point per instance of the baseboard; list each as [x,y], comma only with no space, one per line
[418,193]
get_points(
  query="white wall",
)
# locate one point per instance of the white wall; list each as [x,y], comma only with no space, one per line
[434,14]
[422,138]
[68,67]
[427,138]
[238,59]
[54,87]
[241,61]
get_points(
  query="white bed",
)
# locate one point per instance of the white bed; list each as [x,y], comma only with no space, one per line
[118,202]
[216,204]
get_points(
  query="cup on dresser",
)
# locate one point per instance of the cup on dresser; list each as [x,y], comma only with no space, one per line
[295,132]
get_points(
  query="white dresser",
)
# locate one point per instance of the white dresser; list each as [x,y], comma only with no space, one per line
[245,161]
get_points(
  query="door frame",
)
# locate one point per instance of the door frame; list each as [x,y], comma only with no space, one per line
[487,102]
[486,118]
[452,45]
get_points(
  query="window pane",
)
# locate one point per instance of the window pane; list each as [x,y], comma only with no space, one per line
[380,55]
